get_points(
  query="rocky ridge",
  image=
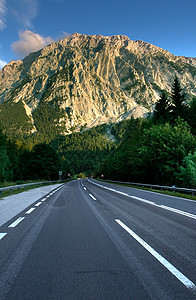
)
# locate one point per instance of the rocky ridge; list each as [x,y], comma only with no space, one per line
[88,80]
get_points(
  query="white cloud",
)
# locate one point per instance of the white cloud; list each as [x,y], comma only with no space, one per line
[25,11]
[2,14]
[2,63]
[29,42]
[63,35]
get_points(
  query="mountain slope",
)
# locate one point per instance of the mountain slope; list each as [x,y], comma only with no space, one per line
[87,80]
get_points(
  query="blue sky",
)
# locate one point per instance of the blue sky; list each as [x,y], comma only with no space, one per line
[26,25]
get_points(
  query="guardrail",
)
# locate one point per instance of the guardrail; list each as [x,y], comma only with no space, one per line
[28,185]
[159,187]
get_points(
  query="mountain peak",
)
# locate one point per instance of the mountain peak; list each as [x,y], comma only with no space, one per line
[90,79]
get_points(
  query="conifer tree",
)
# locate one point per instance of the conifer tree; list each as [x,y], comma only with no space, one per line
[162,110]
[192,115]
[178,100]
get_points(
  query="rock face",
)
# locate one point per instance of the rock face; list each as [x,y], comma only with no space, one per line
[88,80]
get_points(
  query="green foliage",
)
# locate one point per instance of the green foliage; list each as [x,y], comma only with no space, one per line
[178,101]
[40,163]
[162,110]
[155,150]
[187,174]
[166,112]
[45,162]
[14,120]
[162,150]
[81,175]
[192,115]
[83,151]
[150,153]
[46,119]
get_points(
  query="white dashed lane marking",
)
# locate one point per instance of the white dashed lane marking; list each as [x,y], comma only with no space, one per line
[30,210]
[15,223]
[2,235]
[92,197]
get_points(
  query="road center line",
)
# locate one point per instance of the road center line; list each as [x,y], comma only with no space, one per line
[2,235]
[38,203]
[15,223]
[188,283]
[30,210]
[92,197]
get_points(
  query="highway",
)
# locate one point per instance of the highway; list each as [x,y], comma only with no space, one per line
[94,240]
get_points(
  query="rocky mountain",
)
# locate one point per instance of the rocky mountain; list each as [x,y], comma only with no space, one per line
[82,81]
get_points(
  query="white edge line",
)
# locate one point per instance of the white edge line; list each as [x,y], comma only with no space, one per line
[186,214]
[181,198]
[2,235]
[30,210]
[92,197]
[15,223]
[188,283]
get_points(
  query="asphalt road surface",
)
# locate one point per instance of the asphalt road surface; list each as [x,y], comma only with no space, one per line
[94,240]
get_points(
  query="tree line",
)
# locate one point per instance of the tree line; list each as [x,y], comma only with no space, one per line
[159,149]
[18,163]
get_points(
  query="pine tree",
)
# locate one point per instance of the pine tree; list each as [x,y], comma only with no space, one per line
[161,113]
[178,100]
[192,115]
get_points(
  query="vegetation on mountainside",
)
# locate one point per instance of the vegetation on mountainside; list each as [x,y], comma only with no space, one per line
[14,120]
[160,149]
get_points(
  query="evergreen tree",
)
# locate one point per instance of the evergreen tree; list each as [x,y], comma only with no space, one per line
[162,110]
[192,115]
[5,165]
[45,162]
[178,100]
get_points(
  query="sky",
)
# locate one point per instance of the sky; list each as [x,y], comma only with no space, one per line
[29,25]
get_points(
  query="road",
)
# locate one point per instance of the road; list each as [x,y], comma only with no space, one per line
[95,240]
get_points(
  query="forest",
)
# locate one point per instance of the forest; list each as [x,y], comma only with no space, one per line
[158,149]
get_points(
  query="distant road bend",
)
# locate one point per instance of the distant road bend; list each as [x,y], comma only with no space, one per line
[94,240]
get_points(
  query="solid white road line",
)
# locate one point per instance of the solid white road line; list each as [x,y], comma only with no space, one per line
[92,197]
[143,200]
[2,235]
[15,223]
[37,204]
[186,214]
[188,283]
[179,211]
[30,210]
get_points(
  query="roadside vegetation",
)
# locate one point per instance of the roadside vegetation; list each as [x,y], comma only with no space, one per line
[159,149]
